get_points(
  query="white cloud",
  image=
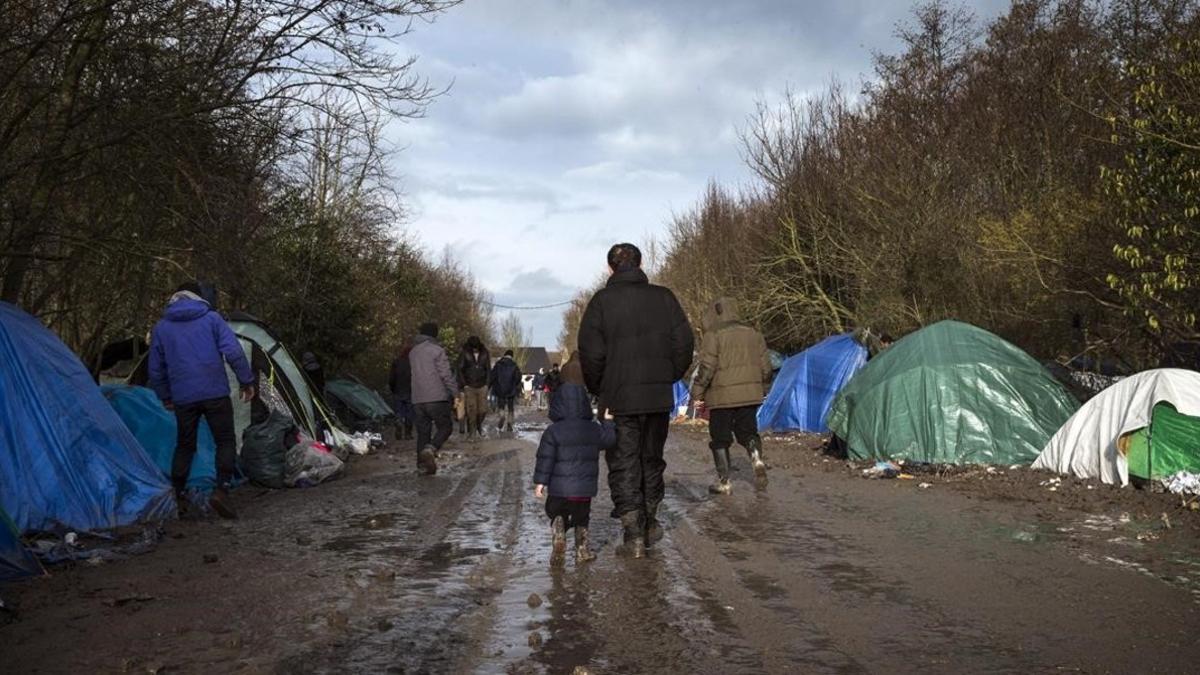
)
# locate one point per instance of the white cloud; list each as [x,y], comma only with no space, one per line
[573,124]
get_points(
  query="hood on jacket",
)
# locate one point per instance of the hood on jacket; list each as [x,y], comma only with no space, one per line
[186,309]
[421,339]
[570,402]
[722,311]
[633,276]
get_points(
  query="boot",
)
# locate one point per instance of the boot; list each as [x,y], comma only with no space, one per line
[721,460]
[654,532]
[635,535]
[219,501]
[558,541]
[182,504]
[427,460]
[754,447]
[582,552]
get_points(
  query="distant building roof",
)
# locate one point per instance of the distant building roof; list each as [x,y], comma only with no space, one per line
[530,359]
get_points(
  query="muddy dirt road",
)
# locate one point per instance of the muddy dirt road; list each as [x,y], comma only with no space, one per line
[823,571]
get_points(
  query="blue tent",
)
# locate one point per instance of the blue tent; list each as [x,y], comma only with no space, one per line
[15,560]
[807,384]
[155,429]
[67,462]
[682,396]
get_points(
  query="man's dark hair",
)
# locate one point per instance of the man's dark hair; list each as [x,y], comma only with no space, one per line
[624,257]
[189,287]
[429,329]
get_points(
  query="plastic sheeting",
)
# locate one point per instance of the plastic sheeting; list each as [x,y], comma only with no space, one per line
[15,560]
[1170,444]
[363,403]
[805,388]
[951,393]
[683,398]
[154,427]
[1087,444]
[67,461]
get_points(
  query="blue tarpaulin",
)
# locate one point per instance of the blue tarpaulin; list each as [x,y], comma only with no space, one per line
[15,560]
[154,427]
[807,384]
[682,396]
[67,461]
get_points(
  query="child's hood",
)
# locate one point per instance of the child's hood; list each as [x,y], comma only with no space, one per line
[570,402]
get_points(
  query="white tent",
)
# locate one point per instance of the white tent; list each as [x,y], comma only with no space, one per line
[1086,446]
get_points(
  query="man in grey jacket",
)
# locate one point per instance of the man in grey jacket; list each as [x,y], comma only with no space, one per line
[433,388]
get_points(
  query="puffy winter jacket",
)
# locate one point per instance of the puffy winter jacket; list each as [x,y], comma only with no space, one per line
[635,342]
[432,380]
[473,367]
[400,379]
[189,348]
[568,458]
[734,368]
[505,380]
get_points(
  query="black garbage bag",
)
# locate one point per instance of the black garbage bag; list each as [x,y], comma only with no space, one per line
[264,449]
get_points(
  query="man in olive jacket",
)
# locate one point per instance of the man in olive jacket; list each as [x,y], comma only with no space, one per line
[732,377]
[635,342]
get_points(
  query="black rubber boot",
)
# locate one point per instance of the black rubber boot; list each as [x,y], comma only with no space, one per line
[635,535]
[721,460]
[754,447]
[654,532]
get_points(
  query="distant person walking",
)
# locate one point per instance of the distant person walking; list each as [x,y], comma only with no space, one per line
[189,348]
[539,388]
[474,367]
[400,384]
[732,377]
[505,382]
[433,388]
[568,468]
[635,342]
[553,380]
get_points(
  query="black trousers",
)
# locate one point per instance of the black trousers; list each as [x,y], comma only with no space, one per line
[508,403]
[219,414]
[435,423]
[575,513]
[726,423]
[636,465]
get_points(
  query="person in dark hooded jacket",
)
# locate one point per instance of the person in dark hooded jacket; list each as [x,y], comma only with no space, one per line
[568,467]
[635,342]
[189,348]
[505,383]
[473,369]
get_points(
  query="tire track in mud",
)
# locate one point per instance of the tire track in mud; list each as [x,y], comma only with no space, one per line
[417,587]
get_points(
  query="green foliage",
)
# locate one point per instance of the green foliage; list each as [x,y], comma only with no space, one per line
[1155,189]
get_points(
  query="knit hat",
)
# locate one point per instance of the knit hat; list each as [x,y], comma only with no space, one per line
[508,352]
[429,329]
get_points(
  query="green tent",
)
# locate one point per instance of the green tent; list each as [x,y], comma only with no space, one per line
[357,405]
[1170,444]
[951,393]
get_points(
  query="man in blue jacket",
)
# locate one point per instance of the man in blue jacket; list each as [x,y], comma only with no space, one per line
[189,348]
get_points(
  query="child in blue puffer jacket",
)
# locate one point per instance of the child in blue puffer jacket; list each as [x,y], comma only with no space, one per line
[568,468]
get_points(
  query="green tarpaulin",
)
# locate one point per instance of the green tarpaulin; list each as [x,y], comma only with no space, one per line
[359,400]
[1169,445]
[951,393]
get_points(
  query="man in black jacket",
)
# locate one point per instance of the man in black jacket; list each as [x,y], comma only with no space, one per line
[635,342]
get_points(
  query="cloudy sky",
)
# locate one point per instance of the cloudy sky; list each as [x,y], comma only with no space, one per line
[573,124]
